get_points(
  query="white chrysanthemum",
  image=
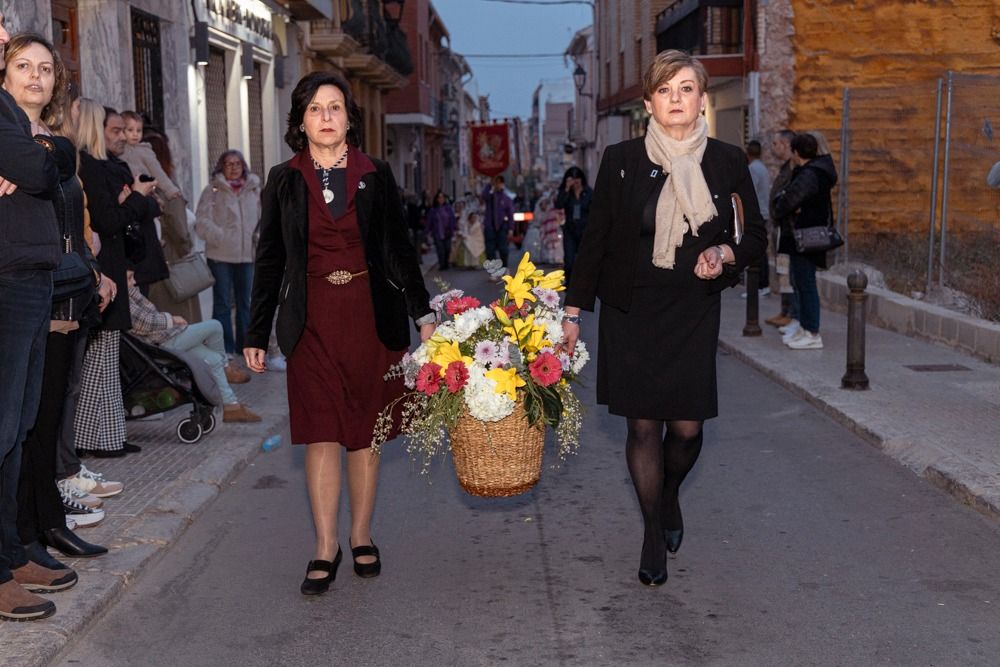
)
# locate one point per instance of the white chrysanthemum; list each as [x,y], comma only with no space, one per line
[447,330]
[547,297]
[580,357]
[481,397]
[553,329]
[468,323]
[421,355]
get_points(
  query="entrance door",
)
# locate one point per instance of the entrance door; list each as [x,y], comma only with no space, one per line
[66,37]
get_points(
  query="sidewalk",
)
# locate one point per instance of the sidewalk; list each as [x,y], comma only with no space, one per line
[935,410]
[167,486]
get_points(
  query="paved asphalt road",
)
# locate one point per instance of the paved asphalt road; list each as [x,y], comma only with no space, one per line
[804,546]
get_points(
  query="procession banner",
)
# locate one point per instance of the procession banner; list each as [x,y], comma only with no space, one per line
[490,148]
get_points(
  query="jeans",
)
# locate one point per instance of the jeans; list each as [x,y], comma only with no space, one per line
[205,340]
[25,304]
[571,245]
[496,243]
[806,294]
[443,247]
[232,281]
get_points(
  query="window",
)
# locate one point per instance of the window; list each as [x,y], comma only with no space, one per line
[256,118]
[217,116]
[147,63]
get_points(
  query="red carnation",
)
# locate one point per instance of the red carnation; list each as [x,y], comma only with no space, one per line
[429,378]
[546,369]
[455,376]
[461,304]
[510,308]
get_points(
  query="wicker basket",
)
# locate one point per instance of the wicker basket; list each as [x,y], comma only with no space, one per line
[497,459]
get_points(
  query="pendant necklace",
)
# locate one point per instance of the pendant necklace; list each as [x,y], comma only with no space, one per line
[327,192]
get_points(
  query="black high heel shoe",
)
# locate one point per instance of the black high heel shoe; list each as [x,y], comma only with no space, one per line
[322,584]
[655,575]
[366,570]
[674,539]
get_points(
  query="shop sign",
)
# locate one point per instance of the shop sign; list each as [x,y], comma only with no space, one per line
[250,20]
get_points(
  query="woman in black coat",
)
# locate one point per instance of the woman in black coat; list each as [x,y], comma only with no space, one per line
[334,258]
[114,201]
[660,246]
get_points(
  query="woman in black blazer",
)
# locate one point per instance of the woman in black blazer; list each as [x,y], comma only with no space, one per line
[657,252]
[335,259]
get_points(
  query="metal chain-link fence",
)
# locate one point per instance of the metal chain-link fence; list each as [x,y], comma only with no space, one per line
[914,200]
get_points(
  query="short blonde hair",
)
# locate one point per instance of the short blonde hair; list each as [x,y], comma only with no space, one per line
[666,65]
[90,132]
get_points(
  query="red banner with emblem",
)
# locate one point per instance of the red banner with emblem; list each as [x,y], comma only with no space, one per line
[490,148]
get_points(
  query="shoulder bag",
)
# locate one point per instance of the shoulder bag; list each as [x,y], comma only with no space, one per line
[189,276]
[73,279]
[817,239]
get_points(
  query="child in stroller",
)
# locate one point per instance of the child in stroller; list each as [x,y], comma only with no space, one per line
[202,340]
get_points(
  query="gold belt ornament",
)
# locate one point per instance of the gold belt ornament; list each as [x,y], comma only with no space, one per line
[342,277]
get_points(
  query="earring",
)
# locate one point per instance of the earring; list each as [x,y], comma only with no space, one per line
[348,126]
[302,128]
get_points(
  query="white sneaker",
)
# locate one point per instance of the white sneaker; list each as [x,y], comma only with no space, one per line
[276,363]
[70,492]
[762,292]
[95,484]
[82,515]
[792,335]
[791,326]
[806,341]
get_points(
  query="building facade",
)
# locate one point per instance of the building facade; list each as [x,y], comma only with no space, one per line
[583,130]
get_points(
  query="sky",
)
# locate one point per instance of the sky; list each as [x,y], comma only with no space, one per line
[491,27]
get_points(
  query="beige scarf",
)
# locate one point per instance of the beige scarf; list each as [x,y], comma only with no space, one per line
[685,201]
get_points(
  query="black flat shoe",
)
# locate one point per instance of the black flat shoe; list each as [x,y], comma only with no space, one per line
[37,553]
[366,570]
[321,585]
[674,539]
[101,453]
[129,448]
[69,543]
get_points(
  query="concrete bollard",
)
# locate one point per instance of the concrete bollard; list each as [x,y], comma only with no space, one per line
[752,327]
[855,377]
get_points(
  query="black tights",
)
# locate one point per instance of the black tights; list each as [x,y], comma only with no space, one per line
[658,464]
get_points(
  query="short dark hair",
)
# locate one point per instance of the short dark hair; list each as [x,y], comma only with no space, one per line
[753,148]
[305,91]
[804,145]
[786,134]
[108,113]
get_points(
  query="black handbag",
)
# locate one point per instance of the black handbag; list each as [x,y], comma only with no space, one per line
[73,279]
[817,239]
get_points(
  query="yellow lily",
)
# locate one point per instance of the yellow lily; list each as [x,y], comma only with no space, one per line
[528,336]
[507,381]
[448,352]
[501,316]
[519,289]
[553,280]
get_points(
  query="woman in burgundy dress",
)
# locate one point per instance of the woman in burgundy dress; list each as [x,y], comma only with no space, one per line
[335,260]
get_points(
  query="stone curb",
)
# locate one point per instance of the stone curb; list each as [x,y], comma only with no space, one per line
[142,542]
[954,476]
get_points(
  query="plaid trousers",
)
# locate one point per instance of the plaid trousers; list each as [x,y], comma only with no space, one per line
[100,413]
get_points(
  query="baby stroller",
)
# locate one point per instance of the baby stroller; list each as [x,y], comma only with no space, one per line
[156,380]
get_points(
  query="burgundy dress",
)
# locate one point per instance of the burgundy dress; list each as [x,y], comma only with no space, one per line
[335,384]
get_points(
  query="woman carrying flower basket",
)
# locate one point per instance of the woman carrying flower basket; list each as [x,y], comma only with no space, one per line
[491,378]
[335,259]
[657,252]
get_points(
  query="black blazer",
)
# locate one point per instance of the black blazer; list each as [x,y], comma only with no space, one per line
[609,251]
[279,281]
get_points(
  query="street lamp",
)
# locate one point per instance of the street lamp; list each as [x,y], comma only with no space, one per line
[580,79]
[392,11]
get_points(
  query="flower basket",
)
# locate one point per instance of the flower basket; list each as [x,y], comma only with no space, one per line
[489,382]
[497,459]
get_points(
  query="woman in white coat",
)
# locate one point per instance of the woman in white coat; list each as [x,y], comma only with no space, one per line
[227,217]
